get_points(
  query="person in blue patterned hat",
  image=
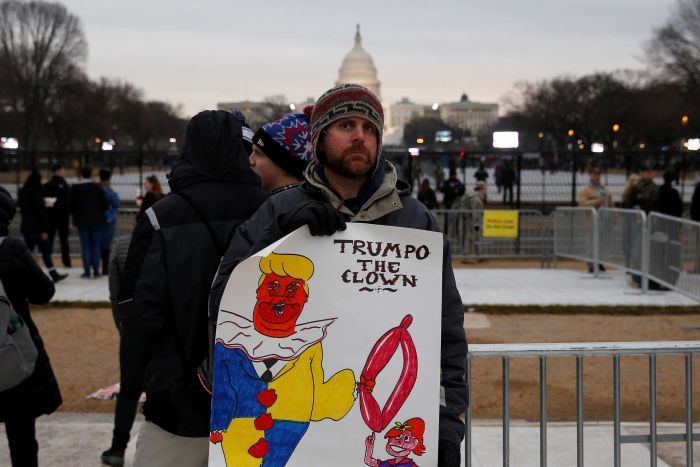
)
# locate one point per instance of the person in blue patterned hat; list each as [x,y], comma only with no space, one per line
[281,151]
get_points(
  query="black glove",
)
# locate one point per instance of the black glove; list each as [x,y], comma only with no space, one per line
[448,454]
[320,216]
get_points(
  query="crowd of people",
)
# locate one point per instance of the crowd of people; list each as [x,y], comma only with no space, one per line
[233,192]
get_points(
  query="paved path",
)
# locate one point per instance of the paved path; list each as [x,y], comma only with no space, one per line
[77,440]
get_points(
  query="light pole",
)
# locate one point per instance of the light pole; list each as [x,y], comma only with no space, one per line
[571,134]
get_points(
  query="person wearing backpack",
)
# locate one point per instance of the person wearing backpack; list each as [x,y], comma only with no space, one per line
[172,259]
[38,394]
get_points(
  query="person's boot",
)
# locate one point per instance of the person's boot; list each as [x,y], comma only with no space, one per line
[113,456]
[55,276]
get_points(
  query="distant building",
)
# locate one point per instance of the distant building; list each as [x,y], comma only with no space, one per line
[476,117]
[404,111]
[358,68]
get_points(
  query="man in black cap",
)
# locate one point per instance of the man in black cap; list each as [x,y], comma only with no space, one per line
[281,151]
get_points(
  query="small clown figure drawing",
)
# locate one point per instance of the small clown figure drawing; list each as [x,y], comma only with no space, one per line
[402,440]
[269,381]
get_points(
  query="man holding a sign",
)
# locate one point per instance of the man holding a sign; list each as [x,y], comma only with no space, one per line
[350,181]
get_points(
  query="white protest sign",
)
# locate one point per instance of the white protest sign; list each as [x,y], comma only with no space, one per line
[328,352]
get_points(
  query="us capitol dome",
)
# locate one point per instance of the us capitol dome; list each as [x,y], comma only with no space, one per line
[358,68]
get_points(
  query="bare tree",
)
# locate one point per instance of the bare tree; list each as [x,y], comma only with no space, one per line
[41,45]
[675,48]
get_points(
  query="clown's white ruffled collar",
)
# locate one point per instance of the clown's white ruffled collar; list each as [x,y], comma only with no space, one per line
[237,332]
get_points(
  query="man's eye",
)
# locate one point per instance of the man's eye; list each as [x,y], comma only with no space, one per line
[368,128]
[407,439]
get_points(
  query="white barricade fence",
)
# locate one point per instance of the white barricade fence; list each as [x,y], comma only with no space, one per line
[576,233]
[621,237]
[464,229]
[673,245]
[581,351]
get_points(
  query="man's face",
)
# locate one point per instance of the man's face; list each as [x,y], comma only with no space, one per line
[281,300]
[401,445]
[595,176]
[61,172]
[350,146]
[647,174]
[267,170]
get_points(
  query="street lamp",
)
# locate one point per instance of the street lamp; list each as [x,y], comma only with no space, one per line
[570,132]
[615,128]
[684,120]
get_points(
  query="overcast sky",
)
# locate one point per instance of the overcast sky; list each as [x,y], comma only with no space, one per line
[198,53]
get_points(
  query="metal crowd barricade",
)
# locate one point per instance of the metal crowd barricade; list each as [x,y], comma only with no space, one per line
[576,234]
[579,351]
[622,240]
[463,228]
[673,244]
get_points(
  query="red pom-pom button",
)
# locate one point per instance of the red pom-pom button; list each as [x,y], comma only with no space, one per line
[264,422]
[267,397]
[259,449]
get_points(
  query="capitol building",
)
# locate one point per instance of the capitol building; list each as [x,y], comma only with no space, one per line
[358,67]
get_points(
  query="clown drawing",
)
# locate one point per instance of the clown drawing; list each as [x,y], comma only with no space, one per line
[269,381]
[402,440]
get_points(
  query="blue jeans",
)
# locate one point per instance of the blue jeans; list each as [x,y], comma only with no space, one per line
[90,248]
[107,235]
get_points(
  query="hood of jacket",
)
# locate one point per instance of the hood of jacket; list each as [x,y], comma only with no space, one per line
[213,151]
[384,200]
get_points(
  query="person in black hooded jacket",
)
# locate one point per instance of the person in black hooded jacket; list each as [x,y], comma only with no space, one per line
[39,394]
[171,262]
[35,223]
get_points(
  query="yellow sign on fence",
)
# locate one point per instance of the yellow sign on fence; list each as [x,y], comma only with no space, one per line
[503,224]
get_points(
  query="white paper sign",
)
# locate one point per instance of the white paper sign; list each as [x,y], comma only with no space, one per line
[326,346]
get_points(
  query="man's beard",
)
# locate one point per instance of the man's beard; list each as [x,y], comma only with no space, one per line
[342,165]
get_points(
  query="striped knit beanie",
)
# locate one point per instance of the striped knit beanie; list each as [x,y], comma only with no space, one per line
[287,142]
[346,100]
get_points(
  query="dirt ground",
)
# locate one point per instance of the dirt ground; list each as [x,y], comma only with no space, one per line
[83,347]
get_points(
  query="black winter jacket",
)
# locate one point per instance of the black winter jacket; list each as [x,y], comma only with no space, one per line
[391,205]
[25,283]
[35,217]
[88,204]
[695,204]
[171,262]
[58,188]
[669,201]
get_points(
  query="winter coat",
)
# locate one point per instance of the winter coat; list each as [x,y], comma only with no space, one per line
[644,195]
[88,204]
[149,200]
[453,189]
[669,201]
[58,188]
[589,196]
[428,198]
[171,262]
[25,283]
[695,204]
[116,272]
[112,205]
[35,218]
[391,204]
